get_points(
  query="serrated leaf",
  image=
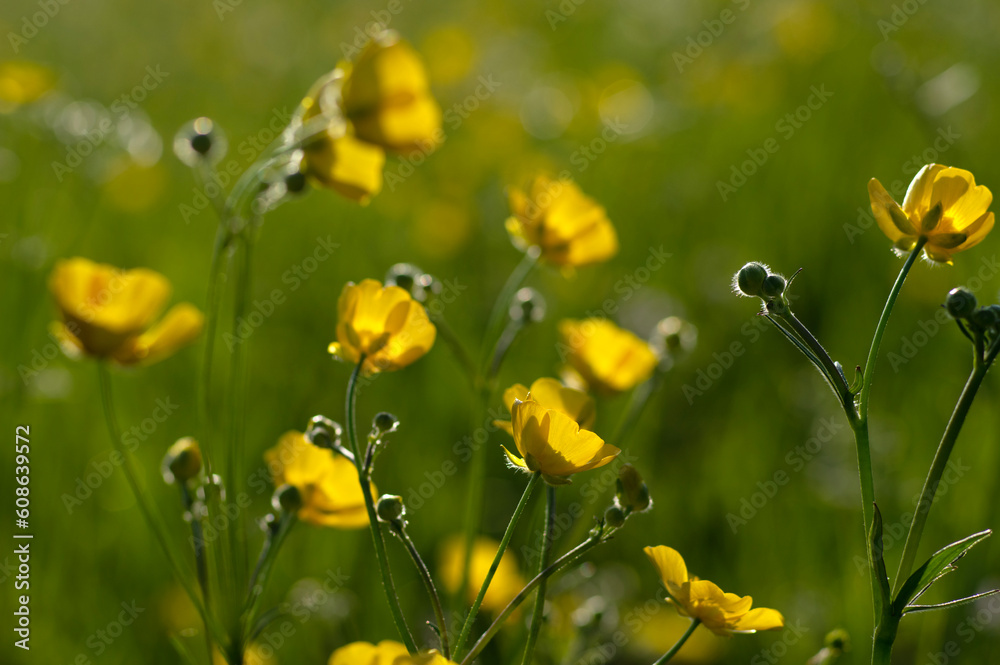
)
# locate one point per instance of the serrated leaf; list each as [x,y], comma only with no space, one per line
[951,603]
[939,564]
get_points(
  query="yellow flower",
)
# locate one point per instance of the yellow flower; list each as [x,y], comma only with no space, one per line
[568,226]
[344,164]
[551,394]
[608,359]
[110,313]
[254,655]
[722,613]
[552,442]
[387,98]
[385,652]
[22,83]
[506,583]
[943,205]
[383,323]
[327,481]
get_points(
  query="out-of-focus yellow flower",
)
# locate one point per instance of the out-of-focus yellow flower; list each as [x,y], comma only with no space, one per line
[344,164]
[327,481]
[608,359]
[254,655]
[387,98]
[569,227]
[383,323]
[722,613]
[943,204]
[22,83]
[109,313]
[552,442]
[506,583]
[385,652]
[551,394]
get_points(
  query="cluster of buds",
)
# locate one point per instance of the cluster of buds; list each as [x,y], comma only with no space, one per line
[755,280]
[963,307]
[631,496]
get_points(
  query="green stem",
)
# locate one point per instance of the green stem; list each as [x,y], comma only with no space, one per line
[154,524]
[938,467]
[839,383]
[425,575]
[262,571]
[467,628]
[350,418]
[539,609]
[885,636]
[457,349]
[514,282]
[200,554]
[556,566]
[677,647]
[636,404]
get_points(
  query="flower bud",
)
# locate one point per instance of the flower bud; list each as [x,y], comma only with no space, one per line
[960,303]
[412,279]
[985,317]
[773,286]
[750,279]
[632,492]
[200,139]
[287,498]
[323,432]
[390,508]
[383,423]
[528,306]
[675,335]
[182,461]
[614,517]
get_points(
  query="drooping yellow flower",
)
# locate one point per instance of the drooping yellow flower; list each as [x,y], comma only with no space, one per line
[506,583]
[722,613]
[385,652]
[22,82]
[608,359]
[328,482]
[109,313]
[387,99]
[569,227]
[344,164]
[551,442]
[383,323]
[551,394]
[943,205]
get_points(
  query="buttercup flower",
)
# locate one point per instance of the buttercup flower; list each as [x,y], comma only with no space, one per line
[552,442]
[385,324]
[608,359]
[344,164]
[722,613]
[328,482]
[943,205]
[506,583]
[387,98]
[569,227]
[21,83]
[385,652]
[551,394]
[109,313]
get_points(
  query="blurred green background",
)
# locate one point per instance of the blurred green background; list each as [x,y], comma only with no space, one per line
[909,83]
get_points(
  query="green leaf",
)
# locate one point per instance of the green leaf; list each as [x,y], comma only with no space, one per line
[941,563]
[951,603]
[883,598]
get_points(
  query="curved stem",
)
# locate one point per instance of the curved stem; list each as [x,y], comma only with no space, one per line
[350,419]
[539,610]
[677,647]
[467,628]
[938,467]
[425,575]
[559,564]
[839,383]
[502,302]
[262,570]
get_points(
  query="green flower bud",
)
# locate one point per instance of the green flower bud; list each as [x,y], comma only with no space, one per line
[182,461]
[287,498]
[838,640]
[750,279]
[985,317]
[773,286]
[528,306]
[323,432]
[411,278]
[960,303]
[199,140]
[614,517]
[384,423]
[390,508]
[632,492]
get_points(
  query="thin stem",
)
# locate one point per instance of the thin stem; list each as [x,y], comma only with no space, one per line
[839,383]
[425,575]
[498,622]
[502,302]
[388,585]
[636,404]
[677,647]
[467,628]
[262,571]
[938,467]
[539,610]
[500,349]
[200,554]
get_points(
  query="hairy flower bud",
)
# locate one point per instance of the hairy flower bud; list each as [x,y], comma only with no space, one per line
[287,498]
[632,492]
[614,516]
[528,306]
[750,279]
[773,286]
[323,432]
[182,461]
[390,508]
[200,139]
[960,303]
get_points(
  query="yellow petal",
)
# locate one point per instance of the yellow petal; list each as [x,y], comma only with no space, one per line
[552,394]
[977,231]
[356,653]
[350,167]
[890,217]
[673,570]
[963,202]
[917,201]
[762,618]
[515,393]
[180,327]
